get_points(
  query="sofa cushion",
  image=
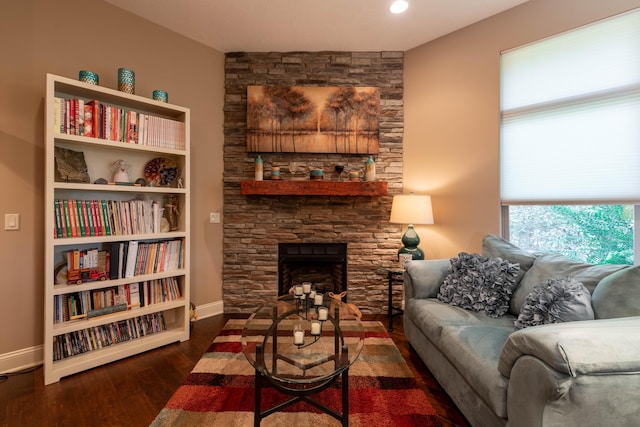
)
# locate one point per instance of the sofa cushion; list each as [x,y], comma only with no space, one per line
[555,301]
[555,266]
[618,295]
[497,247]
[470,341]
[592,347]
[474,350]
[478,283]
[431,316]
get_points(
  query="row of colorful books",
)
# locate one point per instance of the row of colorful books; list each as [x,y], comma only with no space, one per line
[97,337]
[134,258]
[84,304]
[77,259]
[84,218]
[97,120]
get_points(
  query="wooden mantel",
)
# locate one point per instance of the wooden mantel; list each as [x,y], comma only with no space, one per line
[313,188]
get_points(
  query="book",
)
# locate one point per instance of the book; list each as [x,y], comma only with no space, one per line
[88,120]
[132,254]
[58,115]
[134,295]
[88,219]
[82,230]
[114,260]
[71,223]
[58,221]
[105,218]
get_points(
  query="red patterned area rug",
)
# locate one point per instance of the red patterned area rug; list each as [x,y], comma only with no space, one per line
[220,390]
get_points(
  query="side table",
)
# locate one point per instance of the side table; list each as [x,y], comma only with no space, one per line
[394,275]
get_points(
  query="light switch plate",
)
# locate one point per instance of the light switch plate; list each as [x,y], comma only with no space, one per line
[12,222]
[214,217]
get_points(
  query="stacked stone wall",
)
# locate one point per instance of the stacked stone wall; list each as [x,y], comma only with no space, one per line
[253,225]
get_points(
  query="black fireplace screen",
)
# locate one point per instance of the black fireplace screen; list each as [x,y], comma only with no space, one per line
[322,264]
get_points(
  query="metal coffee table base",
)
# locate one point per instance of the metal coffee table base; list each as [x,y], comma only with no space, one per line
[301,394]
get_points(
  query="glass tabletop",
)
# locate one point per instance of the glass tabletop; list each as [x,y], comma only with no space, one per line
[302,340]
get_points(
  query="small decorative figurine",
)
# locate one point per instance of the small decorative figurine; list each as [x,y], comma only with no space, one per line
[120,171]
[172,213]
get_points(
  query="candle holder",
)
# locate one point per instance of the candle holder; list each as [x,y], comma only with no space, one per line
[309,307]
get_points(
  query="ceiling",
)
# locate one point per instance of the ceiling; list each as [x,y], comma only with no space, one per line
[312,25]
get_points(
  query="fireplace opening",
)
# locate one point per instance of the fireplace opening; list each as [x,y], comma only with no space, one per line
[322,264]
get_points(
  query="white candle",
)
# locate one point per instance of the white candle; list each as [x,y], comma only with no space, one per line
[323,313]
[312,294]
[298,290]
[298,337]
[306,287]
[318,299]
[315,328]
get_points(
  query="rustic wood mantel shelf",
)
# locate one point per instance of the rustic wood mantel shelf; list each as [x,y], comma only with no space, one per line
[313,188]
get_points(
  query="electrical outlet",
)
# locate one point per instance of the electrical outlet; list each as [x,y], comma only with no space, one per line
[214,217]
[12,222]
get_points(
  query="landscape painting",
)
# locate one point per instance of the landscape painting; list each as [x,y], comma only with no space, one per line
[295,119]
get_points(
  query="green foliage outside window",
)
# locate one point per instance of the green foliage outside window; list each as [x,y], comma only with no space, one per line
[597,234]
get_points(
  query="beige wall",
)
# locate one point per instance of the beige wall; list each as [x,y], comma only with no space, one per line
[63,37]
[451,126]
[452,89]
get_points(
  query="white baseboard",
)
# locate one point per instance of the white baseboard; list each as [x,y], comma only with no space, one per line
[212,309]
[21,359]
[33,356]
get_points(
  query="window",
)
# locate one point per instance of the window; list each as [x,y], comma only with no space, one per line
[570,141]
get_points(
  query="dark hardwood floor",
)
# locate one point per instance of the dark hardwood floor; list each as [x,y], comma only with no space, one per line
[132,391]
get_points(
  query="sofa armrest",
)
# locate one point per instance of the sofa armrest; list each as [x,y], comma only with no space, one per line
[422,279]
[590,347]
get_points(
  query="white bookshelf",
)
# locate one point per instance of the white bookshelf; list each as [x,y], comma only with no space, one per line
[99,153]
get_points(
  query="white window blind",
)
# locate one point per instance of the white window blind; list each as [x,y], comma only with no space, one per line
[570,128]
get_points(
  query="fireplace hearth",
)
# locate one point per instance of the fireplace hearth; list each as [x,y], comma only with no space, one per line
[323,264]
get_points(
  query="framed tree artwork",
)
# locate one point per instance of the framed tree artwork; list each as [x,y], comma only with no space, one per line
[296,119]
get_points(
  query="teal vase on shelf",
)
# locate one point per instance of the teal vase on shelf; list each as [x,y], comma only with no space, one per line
[370,169]
[259,169]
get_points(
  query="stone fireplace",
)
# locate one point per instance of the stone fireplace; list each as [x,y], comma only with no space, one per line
[323,264]
[255,226]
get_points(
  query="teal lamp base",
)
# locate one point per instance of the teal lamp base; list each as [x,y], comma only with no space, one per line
[411,240]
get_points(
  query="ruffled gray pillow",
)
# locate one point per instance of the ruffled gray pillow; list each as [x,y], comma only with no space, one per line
[479,283]
[555,301]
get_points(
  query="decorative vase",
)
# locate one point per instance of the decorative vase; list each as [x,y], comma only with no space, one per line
[160,95]
[258,168]
[126,80]
[88,77]
[275,172]
[370,169]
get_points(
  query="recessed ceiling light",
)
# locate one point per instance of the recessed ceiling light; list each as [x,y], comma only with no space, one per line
[399,6]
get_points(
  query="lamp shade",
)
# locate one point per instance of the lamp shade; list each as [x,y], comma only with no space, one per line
[411,209]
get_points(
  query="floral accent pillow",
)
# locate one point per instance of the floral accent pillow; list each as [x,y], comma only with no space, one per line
[479,283]
[555,301]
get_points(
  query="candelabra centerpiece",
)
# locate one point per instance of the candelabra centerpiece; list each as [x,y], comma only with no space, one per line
[309,305]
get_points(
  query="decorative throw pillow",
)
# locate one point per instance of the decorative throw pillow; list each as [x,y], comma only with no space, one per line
[479,283]
[555,301]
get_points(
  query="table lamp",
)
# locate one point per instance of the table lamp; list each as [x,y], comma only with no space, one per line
[411,209]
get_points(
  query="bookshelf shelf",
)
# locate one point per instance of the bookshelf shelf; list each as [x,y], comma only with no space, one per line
[74,325]
[74,364]
[106,219]
[60,289]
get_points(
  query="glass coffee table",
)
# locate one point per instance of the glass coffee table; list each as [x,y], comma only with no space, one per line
[300,345]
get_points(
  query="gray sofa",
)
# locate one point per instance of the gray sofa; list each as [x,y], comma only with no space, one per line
[579,373]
